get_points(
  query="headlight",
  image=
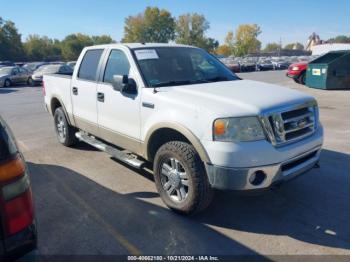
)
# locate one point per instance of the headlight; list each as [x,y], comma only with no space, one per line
[295,68]
[238,129]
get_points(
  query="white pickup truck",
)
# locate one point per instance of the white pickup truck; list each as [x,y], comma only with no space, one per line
[181,109]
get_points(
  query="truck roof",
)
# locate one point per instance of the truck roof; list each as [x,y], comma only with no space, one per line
[139,45]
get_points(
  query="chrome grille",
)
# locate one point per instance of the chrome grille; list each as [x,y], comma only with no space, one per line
[291,125]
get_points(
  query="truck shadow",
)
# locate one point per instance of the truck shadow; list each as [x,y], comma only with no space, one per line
[75,215]
[313,208]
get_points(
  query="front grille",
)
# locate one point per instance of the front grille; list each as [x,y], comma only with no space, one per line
[291,125]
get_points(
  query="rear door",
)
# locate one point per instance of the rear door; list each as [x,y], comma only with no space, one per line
[84,89]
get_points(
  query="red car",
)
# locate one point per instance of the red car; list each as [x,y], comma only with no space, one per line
[297,71]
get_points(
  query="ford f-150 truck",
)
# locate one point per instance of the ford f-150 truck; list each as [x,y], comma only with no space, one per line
[181,109]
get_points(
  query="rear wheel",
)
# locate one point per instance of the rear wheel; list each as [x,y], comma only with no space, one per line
[30,82]
[181,179]
[65,133]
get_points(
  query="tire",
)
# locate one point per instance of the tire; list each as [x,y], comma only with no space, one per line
[65,133]
[7,83]
[179,170]
[301,78]
[30,82]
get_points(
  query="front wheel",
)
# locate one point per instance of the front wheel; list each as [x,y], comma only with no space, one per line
[181,179]
[7,83]
[302,78]
[65,133]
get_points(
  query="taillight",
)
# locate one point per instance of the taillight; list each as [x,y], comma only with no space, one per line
[44,91]
[16,197]
[11,170]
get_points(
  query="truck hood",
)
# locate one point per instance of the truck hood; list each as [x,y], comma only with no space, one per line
[236,98]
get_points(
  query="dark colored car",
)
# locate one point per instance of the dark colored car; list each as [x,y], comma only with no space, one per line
[18,235]
[248,65]
[264,65]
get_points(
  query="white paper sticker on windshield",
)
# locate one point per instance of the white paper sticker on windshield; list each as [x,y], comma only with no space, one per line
[145,54]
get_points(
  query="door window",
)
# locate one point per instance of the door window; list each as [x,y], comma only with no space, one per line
[89,65]
[117,64]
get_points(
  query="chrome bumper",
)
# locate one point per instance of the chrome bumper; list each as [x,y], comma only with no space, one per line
[263,176]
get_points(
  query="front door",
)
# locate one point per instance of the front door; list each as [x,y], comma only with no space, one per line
[118,112]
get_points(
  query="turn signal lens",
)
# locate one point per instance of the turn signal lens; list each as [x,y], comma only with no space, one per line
[10,170]
[220,127]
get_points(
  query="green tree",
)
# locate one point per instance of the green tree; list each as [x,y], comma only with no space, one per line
[272,47]
[191,29]
[103,39]
[246,39]
[224,50]
[73,44]
[41,48]
[11,47]
[294,46]
[341,39]
[153,25]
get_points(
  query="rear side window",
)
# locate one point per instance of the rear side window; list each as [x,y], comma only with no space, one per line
[89,65]
[117,64]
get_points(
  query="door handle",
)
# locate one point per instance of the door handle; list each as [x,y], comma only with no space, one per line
[100,97]
[75,91]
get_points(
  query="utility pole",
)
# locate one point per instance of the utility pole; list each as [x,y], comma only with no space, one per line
[280,47]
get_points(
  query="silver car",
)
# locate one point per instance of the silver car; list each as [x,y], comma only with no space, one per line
[11,75]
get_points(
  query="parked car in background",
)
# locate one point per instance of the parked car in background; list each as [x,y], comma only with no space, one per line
[51,69]
[248,65]
[280,64]
[34,66]
[231,64]
[11,75]
[18,234]
[297,71]
[71,64]
[6,63]
[264,65]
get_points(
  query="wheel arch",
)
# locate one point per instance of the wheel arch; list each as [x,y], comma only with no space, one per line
[56,103]
[162,133]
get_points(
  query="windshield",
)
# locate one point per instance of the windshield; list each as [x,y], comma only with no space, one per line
[171,66]
[5,70]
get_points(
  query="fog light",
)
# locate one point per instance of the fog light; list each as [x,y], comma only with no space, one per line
[257,178]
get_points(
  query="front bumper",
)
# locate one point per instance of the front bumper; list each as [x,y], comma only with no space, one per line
[242,178]
[293,75]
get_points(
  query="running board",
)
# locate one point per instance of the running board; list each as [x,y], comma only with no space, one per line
[123,156]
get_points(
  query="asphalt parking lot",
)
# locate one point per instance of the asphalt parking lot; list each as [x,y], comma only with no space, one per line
[87,203]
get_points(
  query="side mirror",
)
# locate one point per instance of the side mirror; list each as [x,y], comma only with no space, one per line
[123,83]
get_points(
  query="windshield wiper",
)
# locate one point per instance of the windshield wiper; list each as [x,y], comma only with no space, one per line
[217,79]
[173,83]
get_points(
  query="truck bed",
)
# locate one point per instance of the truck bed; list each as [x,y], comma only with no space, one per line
[58,85]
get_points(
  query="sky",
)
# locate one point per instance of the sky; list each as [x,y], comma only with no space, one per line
[286,20]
